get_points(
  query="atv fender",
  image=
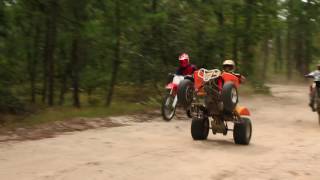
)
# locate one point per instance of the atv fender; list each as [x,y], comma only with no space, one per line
[242,111]
[172,86]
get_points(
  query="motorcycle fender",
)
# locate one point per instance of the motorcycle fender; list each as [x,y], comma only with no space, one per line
[172,86]
[243,111]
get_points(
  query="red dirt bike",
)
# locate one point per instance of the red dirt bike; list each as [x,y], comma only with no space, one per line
[169,104]
[214,94]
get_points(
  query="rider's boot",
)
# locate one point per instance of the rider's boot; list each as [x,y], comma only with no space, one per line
[312,99]
[188,112]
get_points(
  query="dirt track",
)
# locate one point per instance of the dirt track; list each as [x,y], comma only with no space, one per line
[285,145]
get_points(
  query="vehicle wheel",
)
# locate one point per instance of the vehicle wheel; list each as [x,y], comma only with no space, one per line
[185,93]
[242,131]
[229,97]
[200,128]
[167,109]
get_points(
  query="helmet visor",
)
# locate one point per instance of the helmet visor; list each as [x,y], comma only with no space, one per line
[228,68]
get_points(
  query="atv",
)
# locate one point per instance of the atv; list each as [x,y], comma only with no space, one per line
[213,94]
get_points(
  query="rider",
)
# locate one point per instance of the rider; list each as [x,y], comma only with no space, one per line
[185,67]
[229,66]
[312,87]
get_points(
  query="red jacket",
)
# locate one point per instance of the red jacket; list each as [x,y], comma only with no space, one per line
[186,70]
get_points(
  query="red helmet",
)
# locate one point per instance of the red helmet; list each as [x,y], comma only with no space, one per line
[184,60]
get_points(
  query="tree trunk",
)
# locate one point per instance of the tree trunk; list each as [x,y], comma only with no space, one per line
[64,79]
[157,35]
[63,89]
[220,18]
[116,60]
[289,55]
[50,48]
[75,71]
[44,81]
[278,63]
[308,38]
[31,73]
[265,50]
[33,62]
[289,42]
[266,47]
[89,93]
[77,49]
[235,36]
[248,53]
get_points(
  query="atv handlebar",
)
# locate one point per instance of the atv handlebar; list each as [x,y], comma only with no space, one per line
[207,75]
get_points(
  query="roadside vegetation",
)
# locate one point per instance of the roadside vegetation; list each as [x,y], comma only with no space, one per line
[65,58]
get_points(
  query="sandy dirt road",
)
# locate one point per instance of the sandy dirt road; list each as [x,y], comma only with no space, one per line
[285,145]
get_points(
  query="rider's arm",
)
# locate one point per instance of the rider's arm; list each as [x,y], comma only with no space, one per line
[310,75]
[242,79]
[194,67]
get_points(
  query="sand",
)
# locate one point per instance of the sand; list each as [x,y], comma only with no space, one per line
[285,145]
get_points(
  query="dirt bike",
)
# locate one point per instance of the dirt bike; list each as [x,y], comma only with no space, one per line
[214,94]
[169,104]
[316,86]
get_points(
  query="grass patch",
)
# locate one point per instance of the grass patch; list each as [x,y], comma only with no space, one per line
[65,113]
[128,99]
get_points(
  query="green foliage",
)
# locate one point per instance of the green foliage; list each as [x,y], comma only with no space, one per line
[92,37]
[10,103]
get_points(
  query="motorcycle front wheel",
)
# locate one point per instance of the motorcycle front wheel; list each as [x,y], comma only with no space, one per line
[168,109]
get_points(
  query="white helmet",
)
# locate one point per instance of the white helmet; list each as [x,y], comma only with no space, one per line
[229,63]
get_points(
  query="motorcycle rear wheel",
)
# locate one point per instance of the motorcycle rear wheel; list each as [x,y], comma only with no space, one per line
[185,93]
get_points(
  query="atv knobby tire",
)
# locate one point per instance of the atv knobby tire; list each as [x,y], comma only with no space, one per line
[200,128]
[185,93]
[242,131]
[229,97]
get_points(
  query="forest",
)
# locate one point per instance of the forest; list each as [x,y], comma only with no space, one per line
[80,53]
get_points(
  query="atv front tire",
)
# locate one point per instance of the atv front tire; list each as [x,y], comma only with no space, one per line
[200,128]
[242,131]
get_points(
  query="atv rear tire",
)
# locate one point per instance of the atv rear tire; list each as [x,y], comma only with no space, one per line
[242,131]
[200,128]
[185,93]
[229,97]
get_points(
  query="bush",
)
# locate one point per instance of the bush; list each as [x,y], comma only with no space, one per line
[9,103]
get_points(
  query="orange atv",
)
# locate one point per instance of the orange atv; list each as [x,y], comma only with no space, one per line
[213,93]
